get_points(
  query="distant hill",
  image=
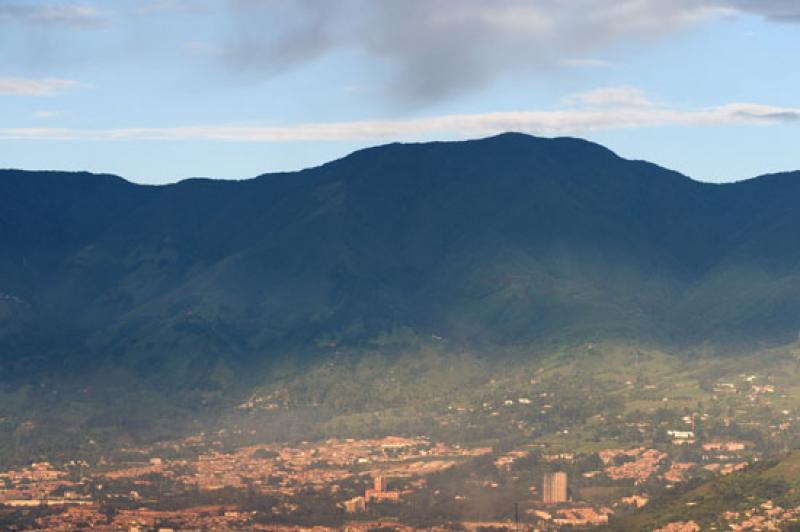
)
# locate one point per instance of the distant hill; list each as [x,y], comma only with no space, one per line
[717,503]
[504,241]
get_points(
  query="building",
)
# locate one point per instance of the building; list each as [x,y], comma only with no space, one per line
[379,491]
[637,501]
[554,488]
[582,517]
[731,446]
[356,504]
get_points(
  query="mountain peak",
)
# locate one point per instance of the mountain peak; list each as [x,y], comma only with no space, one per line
[502,150]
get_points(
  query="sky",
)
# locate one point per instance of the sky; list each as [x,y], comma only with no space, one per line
[161,90]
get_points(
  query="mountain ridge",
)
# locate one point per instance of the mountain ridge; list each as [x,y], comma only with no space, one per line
[377,179]
[514,136]
[382,148]
[198,289]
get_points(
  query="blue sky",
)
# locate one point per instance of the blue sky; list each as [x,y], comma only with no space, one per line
[160,90]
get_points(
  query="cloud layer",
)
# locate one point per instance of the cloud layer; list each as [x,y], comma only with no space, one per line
[70,14]
[416,52]
[601,109]
[35,87]
[780,10]
[434,49]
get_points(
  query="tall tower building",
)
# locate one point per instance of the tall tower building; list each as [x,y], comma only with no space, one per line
[380,493]
[554,488]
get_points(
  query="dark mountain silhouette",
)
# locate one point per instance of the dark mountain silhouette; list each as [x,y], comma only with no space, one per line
[500,241]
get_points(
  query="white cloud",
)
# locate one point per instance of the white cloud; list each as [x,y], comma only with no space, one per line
[48,114]
[71,15]
[606,109]
[152,7]
[587,63]
[780,10]
[611,96]
[200,48]
[435,49]
[35,87]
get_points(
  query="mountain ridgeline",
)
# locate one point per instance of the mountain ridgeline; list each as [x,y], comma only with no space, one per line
[509,240]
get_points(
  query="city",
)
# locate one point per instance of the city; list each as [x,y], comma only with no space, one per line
[547,474]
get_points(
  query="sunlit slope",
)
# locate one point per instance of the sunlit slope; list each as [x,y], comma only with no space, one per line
[774,483]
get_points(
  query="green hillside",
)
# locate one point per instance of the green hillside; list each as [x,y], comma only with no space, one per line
[775,481]
[142,311]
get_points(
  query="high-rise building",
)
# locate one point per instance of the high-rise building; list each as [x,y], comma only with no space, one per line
[554,488]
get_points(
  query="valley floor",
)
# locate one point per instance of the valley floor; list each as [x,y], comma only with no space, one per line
[646,440]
